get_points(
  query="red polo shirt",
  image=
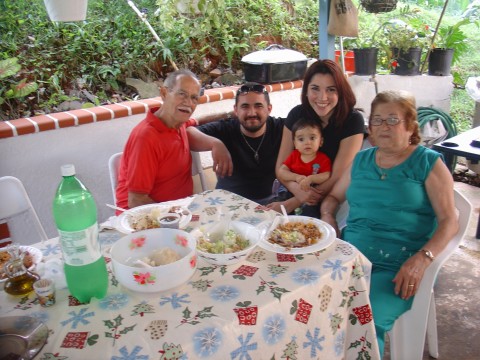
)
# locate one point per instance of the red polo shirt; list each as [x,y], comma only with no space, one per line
[156,161]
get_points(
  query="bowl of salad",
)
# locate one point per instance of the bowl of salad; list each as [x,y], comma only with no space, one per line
[227,245]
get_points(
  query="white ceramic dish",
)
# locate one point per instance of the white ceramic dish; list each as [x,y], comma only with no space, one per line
[21,337]
[328,236]
[123,221]
[246,231]
[141,244]
[36,257]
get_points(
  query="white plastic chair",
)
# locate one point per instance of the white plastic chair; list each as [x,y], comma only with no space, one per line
[407,338]
[197,169]
[14,204]
[114,163]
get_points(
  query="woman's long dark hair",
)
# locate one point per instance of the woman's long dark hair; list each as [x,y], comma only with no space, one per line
[346,97]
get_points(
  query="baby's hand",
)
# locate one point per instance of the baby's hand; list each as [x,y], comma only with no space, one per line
[305,183]
[300,178]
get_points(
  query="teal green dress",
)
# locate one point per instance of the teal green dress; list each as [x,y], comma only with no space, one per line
[390,219]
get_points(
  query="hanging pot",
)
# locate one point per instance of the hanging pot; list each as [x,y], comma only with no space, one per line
[366,61]
[378,6]
[408,63]
[439,62]
[66,10]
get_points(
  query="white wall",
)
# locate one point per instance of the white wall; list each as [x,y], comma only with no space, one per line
[36,158]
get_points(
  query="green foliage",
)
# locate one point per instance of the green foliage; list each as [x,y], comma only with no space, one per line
[11,87]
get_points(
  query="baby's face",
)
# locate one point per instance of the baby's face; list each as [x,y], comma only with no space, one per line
[307,140]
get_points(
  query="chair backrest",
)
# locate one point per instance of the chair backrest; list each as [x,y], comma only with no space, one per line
[407,338]
[113,166]
[114,163]
[197,169]
[14,203]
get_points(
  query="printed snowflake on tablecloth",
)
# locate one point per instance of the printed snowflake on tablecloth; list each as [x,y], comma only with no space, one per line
[339,345]
[114,302]
[51,250]
[78,318]
[273,329]
[214,200]
[305,276]
[336,267]
[245,347]
[314,341]
[252,220]
[175,300]
[125,355]
[224,293]
[206,342]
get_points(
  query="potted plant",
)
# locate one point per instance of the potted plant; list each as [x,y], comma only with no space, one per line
[365,51]
[449,43]
[66,10]
[403,45]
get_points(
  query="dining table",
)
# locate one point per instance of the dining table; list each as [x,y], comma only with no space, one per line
[313,305]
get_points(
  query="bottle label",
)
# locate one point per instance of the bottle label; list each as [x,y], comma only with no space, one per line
[80,247]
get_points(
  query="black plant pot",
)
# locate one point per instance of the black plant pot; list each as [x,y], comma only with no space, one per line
[408,63]
[439,62]
[365,61]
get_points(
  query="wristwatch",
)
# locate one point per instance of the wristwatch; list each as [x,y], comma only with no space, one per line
[427,253]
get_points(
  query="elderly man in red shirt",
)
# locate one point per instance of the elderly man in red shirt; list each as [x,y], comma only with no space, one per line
[156,162]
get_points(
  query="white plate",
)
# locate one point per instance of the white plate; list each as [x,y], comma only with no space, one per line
[123,221]
[21,337]
[326,229]
[36,257]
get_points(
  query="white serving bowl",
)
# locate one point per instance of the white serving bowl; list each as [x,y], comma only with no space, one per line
[243,229]
[141,244]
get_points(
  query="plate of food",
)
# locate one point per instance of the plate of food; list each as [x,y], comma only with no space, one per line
[146,217]
[32,257]
[300,235]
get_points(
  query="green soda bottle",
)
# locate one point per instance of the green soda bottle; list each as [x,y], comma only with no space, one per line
[75,215]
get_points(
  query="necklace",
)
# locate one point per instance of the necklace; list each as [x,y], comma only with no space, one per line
[255,152]
[383,171]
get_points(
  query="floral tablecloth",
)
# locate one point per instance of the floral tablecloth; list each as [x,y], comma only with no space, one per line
[270,306]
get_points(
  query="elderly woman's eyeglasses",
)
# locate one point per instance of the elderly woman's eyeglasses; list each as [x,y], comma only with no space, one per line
[392,121]
[245,89]
[184,95]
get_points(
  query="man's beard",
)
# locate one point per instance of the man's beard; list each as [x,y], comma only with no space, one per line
[252,128]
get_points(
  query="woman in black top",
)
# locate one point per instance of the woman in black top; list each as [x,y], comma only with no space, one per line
[328,99]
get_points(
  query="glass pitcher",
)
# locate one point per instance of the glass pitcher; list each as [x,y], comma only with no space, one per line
[20,279]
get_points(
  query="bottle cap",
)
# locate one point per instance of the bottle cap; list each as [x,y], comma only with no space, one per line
[68,170]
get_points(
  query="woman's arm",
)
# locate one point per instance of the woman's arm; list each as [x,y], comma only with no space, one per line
[439,187]
[332,201]
[349,147]
[284,174]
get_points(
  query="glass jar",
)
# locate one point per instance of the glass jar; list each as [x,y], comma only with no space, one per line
[20,279]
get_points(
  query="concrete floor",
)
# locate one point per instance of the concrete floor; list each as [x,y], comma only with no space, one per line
[457,291]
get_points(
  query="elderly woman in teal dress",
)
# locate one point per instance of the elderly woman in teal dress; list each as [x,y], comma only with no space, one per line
[402,211]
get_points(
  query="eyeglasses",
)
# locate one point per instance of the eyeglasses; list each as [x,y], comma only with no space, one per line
[245,89]
[185,96]
[392,121]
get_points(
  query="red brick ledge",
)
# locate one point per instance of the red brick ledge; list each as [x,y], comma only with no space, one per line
[23,126]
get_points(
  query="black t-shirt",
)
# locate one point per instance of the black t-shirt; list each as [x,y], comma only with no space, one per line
[332,135]
[249,179]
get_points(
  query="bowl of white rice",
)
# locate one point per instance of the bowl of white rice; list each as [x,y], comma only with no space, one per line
[154,260]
